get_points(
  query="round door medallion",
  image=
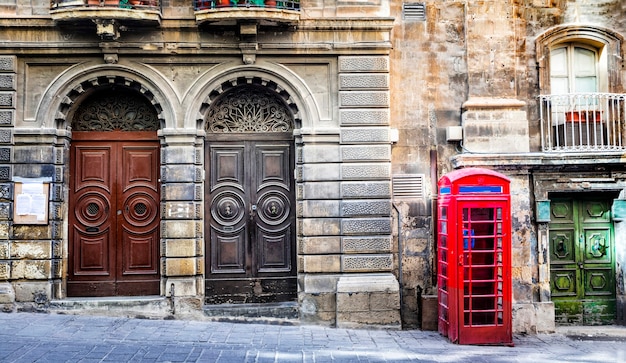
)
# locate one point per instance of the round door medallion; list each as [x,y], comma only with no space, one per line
[227,208]
[92,209]
[139,209]
[273,207]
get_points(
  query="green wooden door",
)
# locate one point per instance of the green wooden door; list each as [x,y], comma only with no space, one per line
[582,262]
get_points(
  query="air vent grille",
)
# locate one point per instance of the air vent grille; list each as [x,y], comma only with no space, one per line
[408,186]
[414,11]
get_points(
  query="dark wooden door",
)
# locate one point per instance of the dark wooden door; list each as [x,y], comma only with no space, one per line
[114,214]
[250,208]
[582,262]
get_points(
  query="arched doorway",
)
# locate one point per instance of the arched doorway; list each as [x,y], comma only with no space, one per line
[249,196]
[114,195]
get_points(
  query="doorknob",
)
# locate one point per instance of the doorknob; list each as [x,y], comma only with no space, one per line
[252,211]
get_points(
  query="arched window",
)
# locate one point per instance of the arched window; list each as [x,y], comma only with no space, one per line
[581,89]
[579,59]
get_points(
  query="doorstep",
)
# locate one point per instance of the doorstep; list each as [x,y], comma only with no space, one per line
[147,307]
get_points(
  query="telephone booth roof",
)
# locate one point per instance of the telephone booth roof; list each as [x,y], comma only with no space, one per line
[473,181]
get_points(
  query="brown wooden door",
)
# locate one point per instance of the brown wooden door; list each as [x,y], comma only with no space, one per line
[250,234]
[114,214]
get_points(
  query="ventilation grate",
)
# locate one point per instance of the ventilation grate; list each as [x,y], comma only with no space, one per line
[414,11]
[408,186]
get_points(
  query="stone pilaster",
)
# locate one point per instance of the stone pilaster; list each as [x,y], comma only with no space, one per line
[367,292]
[36,251]
[182,262]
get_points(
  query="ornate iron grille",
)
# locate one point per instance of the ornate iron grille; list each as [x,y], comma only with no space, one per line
[115,110]
[249,109]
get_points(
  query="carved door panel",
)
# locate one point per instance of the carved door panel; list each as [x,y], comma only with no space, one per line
[582,264]
[250,234]
[114,219]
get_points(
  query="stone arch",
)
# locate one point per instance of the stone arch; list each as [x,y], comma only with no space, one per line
[78,82]
[275,77]
[610,41]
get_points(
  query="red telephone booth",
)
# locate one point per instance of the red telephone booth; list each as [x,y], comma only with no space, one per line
[474,257]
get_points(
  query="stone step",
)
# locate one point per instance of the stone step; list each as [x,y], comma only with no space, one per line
[279,313]
[149,307]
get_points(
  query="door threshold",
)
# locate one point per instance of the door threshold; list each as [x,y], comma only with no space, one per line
[286,313]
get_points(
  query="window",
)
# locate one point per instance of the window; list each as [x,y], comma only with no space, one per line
[577,59]
[573,69]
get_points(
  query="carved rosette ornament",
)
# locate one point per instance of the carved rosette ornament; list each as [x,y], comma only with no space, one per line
[249,109]
[115,110]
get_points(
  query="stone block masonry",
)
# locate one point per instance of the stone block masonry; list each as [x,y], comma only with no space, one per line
[345,207]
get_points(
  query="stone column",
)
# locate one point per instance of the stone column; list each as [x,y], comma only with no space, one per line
[182,175]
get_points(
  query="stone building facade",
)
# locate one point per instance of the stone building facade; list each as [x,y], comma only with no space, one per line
[263,159]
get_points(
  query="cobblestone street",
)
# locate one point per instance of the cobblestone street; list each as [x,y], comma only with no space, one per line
[30,337]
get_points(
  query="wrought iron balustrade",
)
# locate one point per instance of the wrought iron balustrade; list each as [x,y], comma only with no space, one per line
[108,4]
[246,4]
[582,122]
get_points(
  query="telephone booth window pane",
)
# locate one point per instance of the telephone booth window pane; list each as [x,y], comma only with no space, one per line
[443,227]
[481,261]
[444,213]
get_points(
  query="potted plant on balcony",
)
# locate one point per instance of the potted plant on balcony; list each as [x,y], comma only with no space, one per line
[222,3]
[234,3]
[270,3]
[583,116]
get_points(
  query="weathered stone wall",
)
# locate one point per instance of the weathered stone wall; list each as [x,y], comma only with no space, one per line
[474,63]
[428,88]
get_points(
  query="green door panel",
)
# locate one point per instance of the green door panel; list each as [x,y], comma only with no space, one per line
[582,264]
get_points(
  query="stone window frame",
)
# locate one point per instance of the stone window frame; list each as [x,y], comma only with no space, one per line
[606,41]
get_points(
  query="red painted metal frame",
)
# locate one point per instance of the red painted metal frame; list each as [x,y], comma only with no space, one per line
[474,257]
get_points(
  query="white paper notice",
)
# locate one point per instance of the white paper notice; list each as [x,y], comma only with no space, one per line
[22,204]
[32,188]
[32,201]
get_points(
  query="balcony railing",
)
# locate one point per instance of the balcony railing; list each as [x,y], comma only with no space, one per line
[246,4]
[106,4]
[583,122]
[262,12]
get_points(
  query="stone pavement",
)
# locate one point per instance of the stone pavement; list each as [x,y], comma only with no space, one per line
[32,337]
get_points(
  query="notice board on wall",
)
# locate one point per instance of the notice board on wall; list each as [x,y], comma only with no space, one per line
[31,202]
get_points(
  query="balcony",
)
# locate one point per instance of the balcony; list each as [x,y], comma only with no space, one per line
[232,11]
[589,122]
[136,12]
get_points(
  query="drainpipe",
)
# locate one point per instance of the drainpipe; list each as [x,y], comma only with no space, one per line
[399,255]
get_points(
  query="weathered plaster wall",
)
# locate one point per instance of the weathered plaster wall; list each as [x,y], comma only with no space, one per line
[428,87]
